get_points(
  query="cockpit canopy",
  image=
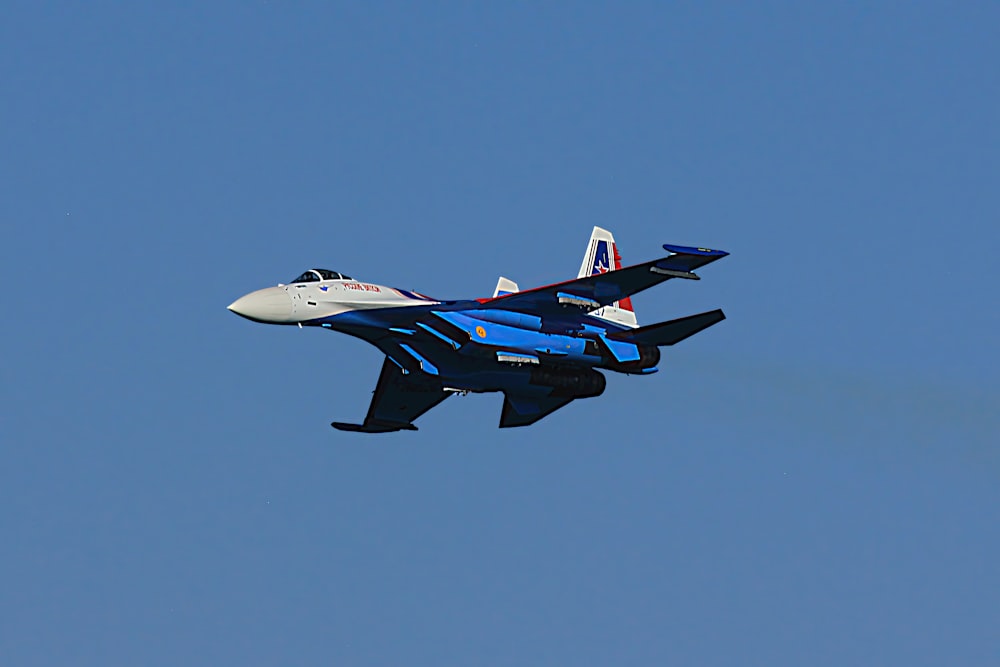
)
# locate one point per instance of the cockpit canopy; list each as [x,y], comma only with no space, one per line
[316,275]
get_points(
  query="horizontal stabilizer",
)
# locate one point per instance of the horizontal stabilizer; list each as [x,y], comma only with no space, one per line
[674,331]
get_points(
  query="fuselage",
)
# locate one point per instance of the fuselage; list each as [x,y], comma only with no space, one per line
[542,348]
[459,343]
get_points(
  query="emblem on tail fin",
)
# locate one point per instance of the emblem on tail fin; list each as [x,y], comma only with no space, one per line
[601,257]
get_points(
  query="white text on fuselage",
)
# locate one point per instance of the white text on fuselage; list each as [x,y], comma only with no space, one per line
[362,287]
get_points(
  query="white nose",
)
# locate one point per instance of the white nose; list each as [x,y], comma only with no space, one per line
[270,306]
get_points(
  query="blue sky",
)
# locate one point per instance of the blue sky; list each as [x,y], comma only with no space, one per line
[814,481]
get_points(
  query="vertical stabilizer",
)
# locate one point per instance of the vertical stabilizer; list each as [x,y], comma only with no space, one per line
[505,286]
[602,256]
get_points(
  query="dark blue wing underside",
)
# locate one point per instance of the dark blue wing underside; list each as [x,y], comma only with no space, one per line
[399,399]
[605,288]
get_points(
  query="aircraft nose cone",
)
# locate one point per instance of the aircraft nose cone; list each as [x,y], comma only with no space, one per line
[271,306]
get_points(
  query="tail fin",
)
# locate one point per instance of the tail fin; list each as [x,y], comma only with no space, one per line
[602,256]
[505,286]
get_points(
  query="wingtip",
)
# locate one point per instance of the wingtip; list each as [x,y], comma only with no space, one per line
[690,250]
[373,427]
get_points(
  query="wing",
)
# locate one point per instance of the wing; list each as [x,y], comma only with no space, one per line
[602,289]
[525,410]
[399,399]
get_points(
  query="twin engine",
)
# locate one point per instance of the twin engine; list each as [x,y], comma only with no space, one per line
[575,382]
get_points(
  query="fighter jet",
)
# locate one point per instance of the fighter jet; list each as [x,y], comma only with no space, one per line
[540,347]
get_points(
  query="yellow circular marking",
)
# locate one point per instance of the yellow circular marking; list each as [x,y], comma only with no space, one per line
[481,332]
